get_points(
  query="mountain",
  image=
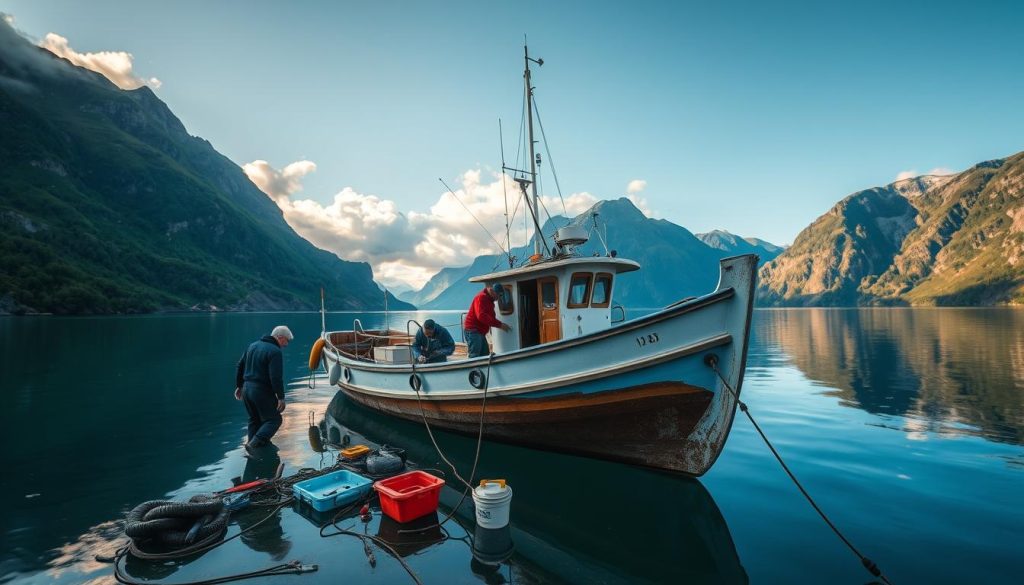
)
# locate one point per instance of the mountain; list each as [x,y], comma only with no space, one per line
[674,263]
[735,245]
[437,284]
[107,205]
[950,240]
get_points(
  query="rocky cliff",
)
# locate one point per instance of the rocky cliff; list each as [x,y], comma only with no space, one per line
[949,240]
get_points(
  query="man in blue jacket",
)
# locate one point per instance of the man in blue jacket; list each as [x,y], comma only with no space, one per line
[433,343]
[259,383]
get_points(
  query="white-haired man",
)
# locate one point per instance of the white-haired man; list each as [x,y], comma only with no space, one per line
[259,383]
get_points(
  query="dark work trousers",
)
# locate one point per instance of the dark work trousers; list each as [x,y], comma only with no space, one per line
[476,344]
[261,404]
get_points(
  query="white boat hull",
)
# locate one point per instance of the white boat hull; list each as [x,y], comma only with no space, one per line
[641,392]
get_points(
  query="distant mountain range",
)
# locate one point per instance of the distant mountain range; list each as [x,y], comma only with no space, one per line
[930,240]
[735,245]
[675,263]
[107,204]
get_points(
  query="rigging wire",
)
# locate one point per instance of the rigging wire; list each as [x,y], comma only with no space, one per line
[500,247]
[504,192]
[521,140]
[551,161]
[536,223]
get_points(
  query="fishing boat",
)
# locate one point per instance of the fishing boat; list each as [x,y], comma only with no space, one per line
[573,374]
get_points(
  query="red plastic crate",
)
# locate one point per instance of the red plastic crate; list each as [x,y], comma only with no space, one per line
[409,496]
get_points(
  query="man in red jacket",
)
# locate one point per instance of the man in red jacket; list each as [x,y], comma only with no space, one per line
[480,319]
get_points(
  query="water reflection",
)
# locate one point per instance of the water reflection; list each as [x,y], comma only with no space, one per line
[581,519]
[951,371]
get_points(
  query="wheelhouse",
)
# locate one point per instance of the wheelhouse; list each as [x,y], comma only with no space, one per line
[556,299]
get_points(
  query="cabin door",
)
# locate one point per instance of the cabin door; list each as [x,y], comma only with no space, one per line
[547,297]
[529,314]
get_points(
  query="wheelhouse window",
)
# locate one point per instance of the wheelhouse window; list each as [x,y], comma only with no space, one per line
[602,290]
[579,290]
[505,299]
[549,294]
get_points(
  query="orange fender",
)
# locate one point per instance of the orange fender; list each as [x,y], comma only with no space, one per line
[314,354]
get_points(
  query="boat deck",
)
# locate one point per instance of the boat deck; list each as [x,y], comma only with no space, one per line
[359,345]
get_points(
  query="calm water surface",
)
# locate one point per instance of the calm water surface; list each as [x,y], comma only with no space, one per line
[906,424]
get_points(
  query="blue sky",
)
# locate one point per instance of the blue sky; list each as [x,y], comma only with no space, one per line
[753,117]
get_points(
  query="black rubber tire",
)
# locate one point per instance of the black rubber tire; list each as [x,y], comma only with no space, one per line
[477,379]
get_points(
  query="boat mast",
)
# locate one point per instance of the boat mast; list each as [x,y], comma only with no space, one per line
[533,159]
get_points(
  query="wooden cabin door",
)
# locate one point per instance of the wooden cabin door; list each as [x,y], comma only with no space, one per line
[550,324]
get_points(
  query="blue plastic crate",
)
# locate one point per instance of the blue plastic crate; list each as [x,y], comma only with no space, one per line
[333,490]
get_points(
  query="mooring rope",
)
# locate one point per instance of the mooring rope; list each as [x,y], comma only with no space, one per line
[712,361]
[476,456]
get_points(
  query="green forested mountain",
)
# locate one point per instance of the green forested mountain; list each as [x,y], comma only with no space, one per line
[107,204]
[953,240]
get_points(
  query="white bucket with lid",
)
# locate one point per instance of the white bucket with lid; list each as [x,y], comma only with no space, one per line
[492,499]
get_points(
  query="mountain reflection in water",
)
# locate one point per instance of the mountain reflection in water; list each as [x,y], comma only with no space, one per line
[950,371]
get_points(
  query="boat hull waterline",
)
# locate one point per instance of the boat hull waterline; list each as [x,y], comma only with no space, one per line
[639,393]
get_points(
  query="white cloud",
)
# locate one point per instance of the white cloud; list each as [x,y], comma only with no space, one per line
[908,174]
[633,190]
[278,184]
[911,173]
[116,66]
[8,18]
[407,247]
[635,186]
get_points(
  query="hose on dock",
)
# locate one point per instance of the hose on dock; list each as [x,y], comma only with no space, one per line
[178,524]
[711,360]
[147,522]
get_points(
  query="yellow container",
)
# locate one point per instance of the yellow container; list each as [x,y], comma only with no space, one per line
[355,452]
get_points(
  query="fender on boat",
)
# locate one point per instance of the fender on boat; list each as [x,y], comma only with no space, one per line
[314,354]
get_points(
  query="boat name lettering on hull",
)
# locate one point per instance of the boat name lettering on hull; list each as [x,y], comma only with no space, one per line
[647,339]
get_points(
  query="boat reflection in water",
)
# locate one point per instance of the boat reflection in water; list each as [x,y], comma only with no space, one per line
[579,519]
